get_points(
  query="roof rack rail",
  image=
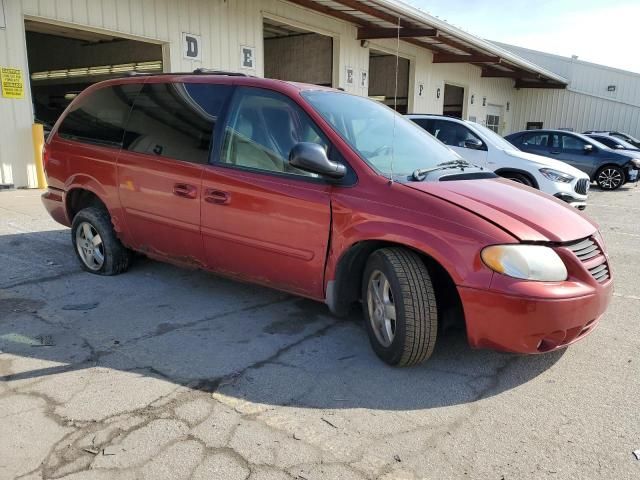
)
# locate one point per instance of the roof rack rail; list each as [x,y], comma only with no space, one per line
[197,71]
[207,71]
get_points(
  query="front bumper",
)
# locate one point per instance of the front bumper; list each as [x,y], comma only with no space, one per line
[535,317]
[578,203]
[574,193]
[530,325]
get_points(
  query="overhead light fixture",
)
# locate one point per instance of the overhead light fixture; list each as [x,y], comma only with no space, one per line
[99,70]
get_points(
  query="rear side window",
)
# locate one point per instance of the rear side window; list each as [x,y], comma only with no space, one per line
[175,120]
[99,117]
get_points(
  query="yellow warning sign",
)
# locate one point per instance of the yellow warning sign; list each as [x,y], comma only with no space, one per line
[12,82]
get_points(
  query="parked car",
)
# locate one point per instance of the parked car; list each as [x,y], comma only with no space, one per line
[612,133]
[609,168]
[613,142]
[326,195]
[482,146]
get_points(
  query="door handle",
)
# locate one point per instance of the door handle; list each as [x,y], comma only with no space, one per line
[185,190]
[216,196]
[554,152]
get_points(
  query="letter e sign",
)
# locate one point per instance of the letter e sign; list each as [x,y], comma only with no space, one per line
[191,46]
[247,57]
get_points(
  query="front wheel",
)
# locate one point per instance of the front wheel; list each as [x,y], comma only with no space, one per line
[610,178]
[400,310]
[96,243]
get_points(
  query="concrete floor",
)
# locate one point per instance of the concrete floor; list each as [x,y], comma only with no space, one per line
[170,373]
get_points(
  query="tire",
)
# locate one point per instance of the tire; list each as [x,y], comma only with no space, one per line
[610,177]
[519,178]
[416,315]
[89,223]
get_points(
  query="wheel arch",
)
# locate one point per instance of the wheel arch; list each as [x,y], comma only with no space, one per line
[609,164]
[502,171]
[80,197]
[345,289]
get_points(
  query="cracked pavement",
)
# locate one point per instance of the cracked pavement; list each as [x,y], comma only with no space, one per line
[170,373]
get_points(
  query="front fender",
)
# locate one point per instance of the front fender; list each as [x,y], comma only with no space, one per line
[452,236]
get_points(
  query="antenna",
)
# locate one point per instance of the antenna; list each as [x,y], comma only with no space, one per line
[395,103]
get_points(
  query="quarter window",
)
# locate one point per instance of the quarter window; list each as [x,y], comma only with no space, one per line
[99,117]
[175,120]
[262,129]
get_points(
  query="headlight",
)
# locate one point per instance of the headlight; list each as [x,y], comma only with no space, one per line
[636,162]
[556,176]
[528,262]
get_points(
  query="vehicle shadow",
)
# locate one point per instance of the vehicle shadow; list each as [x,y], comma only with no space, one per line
[247,343]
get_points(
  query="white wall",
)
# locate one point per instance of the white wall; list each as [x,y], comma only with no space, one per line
[586,103]
[224,25]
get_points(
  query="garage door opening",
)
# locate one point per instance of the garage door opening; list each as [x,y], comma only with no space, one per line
[382,80]
[64,61]
[297,55]
[453,105]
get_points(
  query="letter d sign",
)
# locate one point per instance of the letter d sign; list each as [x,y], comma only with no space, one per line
[191,46]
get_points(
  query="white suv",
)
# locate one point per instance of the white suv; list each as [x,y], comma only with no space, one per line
[483,147]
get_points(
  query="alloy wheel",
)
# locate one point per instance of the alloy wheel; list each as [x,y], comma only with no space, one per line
[610,178]
[89,245]
[381,308]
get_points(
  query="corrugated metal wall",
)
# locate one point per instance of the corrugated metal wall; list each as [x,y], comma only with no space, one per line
[224,25]
[587,103]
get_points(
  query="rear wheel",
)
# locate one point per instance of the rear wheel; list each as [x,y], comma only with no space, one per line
[96,244]
[610,177]
[400,310]
[519,178]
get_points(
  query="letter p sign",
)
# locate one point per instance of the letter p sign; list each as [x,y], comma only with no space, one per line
[191,47]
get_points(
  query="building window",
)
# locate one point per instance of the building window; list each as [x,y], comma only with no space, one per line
[493,123]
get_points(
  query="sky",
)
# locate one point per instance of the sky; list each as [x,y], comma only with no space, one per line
[602,32]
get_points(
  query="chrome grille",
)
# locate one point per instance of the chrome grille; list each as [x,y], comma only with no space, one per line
[582,186]
[588,249]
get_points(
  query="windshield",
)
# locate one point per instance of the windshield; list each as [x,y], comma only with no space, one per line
[592,141]
[368,127]
[625,136]
[493,137]
[625,144]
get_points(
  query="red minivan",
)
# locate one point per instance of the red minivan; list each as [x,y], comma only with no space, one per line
[326,195]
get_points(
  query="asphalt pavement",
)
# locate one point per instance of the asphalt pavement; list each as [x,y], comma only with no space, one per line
[170,373]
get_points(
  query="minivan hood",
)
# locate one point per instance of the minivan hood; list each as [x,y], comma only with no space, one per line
[525,213]
[547,162]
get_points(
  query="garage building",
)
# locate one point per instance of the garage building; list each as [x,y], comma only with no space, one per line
[596,98]
[60,47]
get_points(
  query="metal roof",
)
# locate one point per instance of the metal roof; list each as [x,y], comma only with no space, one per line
[449,44]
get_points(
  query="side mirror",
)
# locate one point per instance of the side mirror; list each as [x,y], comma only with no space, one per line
[473,143]
[311,157]
[588,148]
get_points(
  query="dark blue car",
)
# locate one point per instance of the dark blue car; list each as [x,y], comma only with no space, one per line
[608,167]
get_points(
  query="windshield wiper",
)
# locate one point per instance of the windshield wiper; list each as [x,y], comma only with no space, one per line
[421,173]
